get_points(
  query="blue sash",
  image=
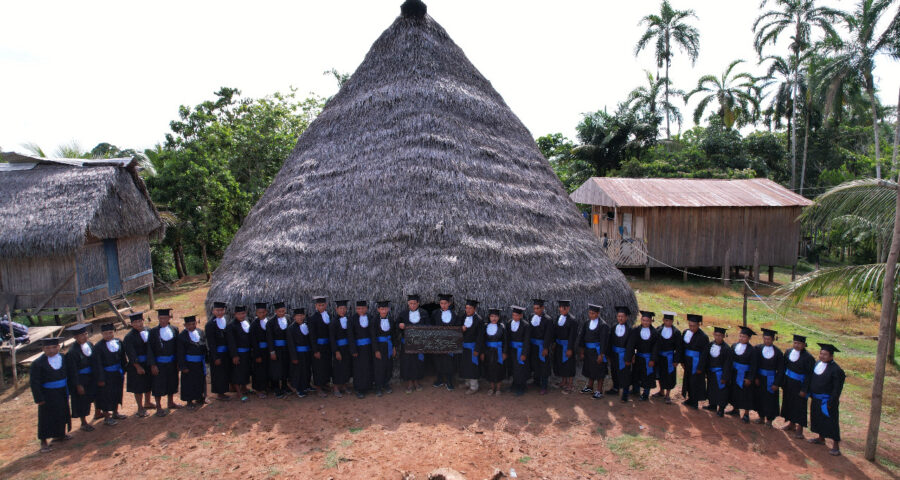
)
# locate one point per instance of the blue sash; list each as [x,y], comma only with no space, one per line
[670,359]
[742,369]
[565,346]
[165,359]
[499,347]
[363,341]
[302,348]
[518,346]
[540,344]
[796,376]
[141,358]
[595,346]
[85,371]
[620,353]
[263,345]
[341,342]
[221,349]
[114,368]
[695,357]
[823,399]
[322,341]
[55,384]
[280,343]
[646,357]
[243,350]
[387,339]
[471,346]
[718,372]
[770,378]
[197,359]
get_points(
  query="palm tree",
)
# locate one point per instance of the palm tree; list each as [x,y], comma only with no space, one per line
[737,95]
[798,17]
[666,28]
[647,98]
[855,58]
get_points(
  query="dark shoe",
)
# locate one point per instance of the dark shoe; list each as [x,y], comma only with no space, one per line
[834,452]
[733,412]
[721,412]
[437,384]
[587,390]
[645,398]
[450,387]
[388,390]
[379,393]
[597,395]
[691,404]
[301,394]
[360,395]
[612,391]
[745,419]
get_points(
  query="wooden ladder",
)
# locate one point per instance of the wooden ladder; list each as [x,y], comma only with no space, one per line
[119,305]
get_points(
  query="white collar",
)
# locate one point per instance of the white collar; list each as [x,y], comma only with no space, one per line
[514,325]
[740,348]
[820,367]
[282,323]
[794,355]
[492,328]
[468,322]
[768,352]
[194,335]
[86,349]
[620,329]
[593,323]
[245,326]
[145,335]
[55,361]
[715,349]
[112,345]
[535,320]
[666,332]
[165,333]
[414,316]
[562,320]
[326,319]
[446,316]
[220,322]
[645,333]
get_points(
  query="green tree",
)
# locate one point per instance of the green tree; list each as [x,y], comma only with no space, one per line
[607,140]
[667,29]
[571,170]
[647,98]
[737,95]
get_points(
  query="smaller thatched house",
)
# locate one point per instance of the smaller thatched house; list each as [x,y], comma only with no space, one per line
[73,233]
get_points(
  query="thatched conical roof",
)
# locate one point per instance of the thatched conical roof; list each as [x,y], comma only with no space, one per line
[417,178]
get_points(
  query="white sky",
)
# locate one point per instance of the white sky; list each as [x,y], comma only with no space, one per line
[93,71]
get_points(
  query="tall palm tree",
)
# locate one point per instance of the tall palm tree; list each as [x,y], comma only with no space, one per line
[855,58]
[737,95]
[798,18]
[667,28]
[646,98]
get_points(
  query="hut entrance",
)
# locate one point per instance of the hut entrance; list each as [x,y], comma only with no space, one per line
[112,266]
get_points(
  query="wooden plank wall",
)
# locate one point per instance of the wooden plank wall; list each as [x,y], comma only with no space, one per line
[32,279]
[135,265]
[92,279]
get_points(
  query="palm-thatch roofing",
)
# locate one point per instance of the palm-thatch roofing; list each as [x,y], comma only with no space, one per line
[417,178]
[50,207]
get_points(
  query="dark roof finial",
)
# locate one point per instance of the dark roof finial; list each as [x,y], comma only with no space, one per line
[413,9]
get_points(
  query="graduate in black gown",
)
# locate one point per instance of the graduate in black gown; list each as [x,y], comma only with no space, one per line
[718,372]
[541,341]
[593,342]
[473,329]
[620,353]
[362,343]
[445,363]
[412,365]
[320,326]
[825,390]
[385,350]
[299,345]
[494,349]
[695,343]
[646,350]
[137,380]
[565,337]
[49,387]
[342,362]
[163,364]
[743,366]
[669,356]
[279,357]
[217,342]
[798,369]
[769,375]
[192,355]
[83,368]
[519,334]
[259,351]
[110,376]
[239,342]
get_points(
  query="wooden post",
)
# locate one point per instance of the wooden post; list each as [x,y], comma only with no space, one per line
[150,291]
[684,274]
[12,349]
[746,291]
[726,269]
[771,274]
[647,272]
[756,266]
[793,272]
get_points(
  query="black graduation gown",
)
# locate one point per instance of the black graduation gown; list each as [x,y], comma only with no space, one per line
[718,375]
[825,391]
[111,371]
[621,350]
[320,332]
[239,343]
[668,357]
[386,341]
[445,363]
[82,371]
[362,341]
[299,348]
[768,371]
[565,338]
[193,357]
[137,352]
[493,346]
[412,365]
[217,343]
[693,384]
[259,353]
[50,386]
[743,367]
[279,369]
[162,354]
[469,366]
[520,344]
[341,370]
[797,377]
[541,339]
[645,351]
[594,344]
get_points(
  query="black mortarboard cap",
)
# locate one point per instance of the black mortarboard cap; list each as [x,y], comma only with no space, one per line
[594,308]
[625,310]
[563,303]
[164,312]
[768,333]
[219,305]
[721,330]
[190,319]
[278,305]
[48,341]
[362,303]
[240,308]
[829,347]
[262,306]
[414,296]
[383,303]
[341,303]
[645,313]
[494,311]
[538,301]
[693,317]
[107,327]
[799,338]
[445,296]
[668,315]
[136,316]
[320,300]
[517,309]
[748,331]
[78,328]
[472,303]
[300,311]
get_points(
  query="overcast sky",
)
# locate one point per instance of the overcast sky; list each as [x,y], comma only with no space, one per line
[91,71]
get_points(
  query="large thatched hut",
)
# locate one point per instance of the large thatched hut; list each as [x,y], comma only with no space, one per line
[417,178]
[73,233]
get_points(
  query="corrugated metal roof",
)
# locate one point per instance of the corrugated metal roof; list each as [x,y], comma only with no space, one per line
[685,192]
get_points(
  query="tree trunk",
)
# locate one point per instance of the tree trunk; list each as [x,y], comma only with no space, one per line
[892,342]
[181,259]
[870,89]
[178,267]
[805,150]
[795,76]
[668,130]
[884,335]
[205,261]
